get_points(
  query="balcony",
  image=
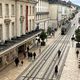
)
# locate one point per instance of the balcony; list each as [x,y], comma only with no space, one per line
[42,13]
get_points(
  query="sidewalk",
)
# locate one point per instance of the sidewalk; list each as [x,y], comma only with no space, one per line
[71,70]
[12,72]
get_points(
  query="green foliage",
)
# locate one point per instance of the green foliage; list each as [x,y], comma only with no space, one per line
[49,30]
[43,35]
[77,33]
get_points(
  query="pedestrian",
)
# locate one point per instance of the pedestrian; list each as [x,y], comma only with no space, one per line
[28,49]
[40,50]
[16,61]
[34,55]
[24,53]
[22,62]
[56,69]
[77,53]
[30,55]
[59,52]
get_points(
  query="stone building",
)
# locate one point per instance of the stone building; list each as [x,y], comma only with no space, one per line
[17,29]
[58,11]
[7,19]
[42,14]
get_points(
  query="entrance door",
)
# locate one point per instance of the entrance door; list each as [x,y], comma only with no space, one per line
[26,18]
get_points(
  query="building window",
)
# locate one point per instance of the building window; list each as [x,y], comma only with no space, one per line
[21,10]
[33,23]
[0,10]
[33,10]
[13,30]
[30,10]
[30,24]
[12,10]
[7,32]
[0,32]
[6,10]
[1,62]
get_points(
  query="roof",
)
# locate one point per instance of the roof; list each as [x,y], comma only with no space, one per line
[59,2]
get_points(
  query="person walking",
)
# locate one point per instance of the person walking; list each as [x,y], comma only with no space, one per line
[40,50]
[77,53]
[17,61]
[56,69]
[24,53]
[22,62]
[59,52]
[34,55]
[28,49]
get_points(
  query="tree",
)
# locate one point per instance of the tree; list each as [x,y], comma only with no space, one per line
[49,31]
[77,37]
[43,36]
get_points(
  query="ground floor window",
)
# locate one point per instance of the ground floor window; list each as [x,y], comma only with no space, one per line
[13,29]
[0,62]
[21,51]
[7,31]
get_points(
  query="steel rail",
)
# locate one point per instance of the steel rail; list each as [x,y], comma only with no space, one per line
[42,58]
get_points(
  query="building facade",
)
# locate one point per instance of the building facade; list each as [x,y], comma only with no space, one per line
[17,19]
[58,11]
[42,14]
[7,19]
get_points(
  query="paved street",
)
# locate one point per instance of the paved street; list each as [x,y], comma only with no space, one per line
[43,67]
[38,40]
[71,70]
[8,72]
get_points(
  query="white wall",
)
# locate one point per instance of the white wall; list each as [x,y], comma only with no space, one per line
[42,19]
[10,2]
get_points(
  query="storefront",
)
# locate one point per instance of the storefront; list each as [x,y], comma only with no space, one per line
[23,48]
[21,51]
[7,58]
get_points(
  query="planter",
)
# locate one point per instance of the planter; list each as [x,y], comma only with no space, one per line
[77,45]
[43,43]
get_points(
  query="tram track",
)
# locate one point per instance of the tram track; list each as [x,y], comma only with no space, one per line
[48,69]
[42,57]
[51,67]
[63,61]
[41,61]
[53,58]
[31,73]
